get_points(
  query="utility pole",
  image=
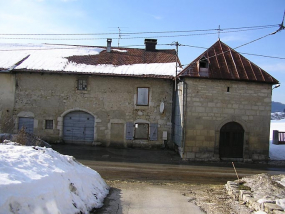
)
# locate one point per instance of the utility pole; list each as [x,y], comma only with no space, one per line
[176,44]
[119,37]
[219,30]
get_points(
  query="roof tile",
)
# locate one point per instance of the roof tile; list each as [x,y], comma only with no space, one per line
[227,64]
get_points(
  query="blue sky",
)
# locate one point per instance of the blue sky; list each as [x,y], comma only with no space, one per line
[105,16]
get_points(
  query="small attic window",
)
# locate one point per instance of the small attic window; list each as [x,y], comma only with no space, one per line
[203,67]
[82,84]
[203,63]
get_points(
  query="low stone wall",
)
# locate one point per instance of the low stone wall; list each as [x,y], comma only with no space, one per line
[247,198]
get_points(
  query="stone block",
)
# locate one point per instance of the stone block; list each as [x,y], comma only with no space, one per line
[269,207]
[190,155]
[278,212]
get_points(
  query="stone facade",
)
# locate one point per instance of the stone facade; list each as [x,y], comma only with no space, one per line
[210,104]
[111,100]
[7,99]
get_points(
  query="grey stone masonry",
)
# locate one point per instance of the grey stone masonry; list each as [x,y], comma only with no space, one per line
[247,197]
[210,104]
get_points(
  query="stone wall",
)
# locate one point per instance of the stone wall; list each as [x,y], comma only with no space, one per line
[213,103]
[111,100]
[7,92]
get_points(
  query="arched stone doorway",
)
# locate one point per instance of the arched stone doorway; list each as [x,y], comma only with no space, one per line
[231,140]
[78,127]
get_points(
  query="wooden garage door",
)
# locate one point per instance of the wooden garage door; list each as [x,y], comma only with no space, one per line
[78,127]
[231,140]
[27,123]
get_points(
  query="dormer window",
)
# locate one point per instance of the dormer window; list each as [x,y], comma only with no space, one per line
[203,67]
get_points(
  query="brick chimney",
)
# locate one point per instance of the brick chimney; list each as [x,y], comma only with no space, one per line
[150,44]
[109,41]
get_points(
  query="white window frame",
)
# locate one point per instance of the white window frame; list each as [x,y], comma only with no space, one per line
[142,97]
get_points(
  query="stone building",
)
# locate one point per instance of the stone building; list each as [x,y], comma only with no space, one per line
[91,95]
[127,97]
[223,107]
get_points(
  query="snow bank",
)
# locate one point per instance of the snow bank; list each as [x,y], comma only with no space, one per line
[40,180]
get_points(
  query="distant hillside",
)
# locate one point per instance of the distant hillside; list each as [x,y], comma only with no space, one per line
[277,107]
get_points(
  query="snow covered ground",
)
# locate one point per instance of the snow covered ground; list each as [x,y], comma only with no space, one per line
[40,180]
[276,152]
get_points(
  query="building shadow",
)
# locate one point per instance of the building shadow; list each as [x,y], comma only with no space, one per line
[112,203]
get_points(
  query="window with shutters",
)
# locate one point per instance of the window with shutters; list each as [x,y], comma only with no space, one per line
[82,84]
[143,96]
[141,131]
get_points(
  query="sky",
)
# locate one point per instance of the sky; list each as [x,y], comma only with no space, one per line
[107,18]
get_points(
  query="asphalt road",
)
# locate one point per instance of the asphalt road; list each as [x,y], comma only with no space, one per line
[153,181]
[160,165]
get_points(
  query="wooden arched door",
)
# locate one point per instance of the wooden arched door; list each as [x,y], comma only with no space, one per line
[231,140]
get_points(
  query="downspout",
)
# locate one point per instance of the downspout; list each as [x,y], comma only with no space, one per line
[184,115]
[173,114]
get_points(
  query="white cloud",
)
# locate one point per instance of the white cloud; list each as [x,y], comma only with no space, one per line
[157,17]
[232,37]
[278,67]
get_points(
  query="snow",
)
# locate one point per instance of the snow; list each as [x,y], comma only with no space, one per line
[40,180]
[276,152]
[53,58]
[259,212]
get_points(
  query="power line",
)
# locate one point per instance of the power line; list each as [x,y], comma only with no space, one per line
[134,33]
[226,30]
[128,46]
[145,37]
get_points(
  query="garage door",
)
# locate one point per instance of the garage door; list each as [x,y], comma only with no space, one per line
[27,123]
[78,127]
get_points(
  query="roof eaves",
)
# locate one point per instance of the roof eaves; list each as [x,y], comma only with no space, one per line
[96,74]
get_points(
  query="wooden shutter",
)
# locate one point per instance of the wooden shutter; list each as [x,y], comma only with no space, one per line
[153,131]
[129,131]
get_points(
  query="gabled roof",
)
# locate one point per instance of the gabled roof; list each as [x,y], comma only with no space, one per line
[88,60]
[226,64]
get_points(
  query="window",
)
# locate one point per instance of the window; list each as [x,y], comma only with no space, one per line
[142,96]
[203,63]
[141,131]
[203,67]
[82,84]
[49,124]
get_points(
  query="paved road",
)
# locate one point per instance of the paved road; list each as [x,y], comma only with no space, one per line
[142,175]
[193,174]
[143,198]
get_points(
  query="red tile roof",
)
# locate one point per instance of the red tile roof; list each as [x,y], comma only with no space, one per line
[126,56]
[227,64]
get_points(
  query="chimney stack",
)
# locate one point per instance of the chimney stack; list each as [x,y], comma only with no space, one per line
[109,41]
[150,44]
